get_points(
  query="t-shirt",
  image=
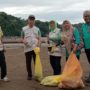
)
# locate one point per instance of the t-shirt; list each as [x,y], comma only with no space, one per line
[31,35]
[1,34]
[54,39]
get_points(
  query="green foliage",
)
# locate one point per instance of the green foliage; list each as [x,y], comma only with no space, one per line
[12,26]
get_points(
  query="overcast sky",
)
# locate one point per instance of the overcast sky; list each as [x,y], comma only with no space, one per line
[57,10]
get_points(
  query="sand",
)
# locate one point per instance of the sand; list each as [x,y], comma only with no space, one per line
[17,70]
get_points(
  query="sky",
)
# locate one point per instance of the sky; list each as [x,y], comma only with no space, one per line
[47,10]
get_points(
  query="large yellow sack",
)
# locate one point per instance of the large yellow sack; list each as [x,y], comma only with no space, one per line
[72,74]
[38,65]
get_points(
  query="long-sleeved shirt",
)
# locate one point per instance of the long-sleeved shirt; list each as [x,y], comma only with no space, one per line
[86,35]
[54,40]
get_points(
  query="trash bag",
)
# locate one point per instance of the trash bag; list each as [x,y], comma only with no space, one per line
[51,80]
[72,74]
[38,66]
[71,77]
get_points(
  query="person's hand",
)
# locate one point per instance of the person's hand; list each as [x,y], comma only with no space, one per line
[24,41]
[64,39]
[75,49]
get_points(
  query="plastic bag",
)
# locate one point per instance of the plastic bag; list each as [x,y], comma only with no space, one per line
[51,80]
[38,65]
[70,78]
[72,74]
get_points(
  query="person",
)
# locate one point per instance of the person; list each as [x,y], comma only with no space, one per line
[86,37]
[54,47]
[31,38]
[2,59]
[71,39]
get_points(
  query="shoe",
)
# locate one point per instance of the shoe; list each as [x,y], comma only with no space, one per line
[29,78]
[88,82]
[5,79]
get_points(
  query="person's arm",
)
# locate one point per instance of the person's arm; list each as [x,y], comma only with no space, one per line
[77,39]
[1,37]
[39,39]
[23,40]
[59,41]
[3,44]
[48,38]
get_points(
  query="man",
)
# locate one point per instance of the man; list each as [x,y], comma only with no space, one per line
[31,39]
[2,60]
[86,37]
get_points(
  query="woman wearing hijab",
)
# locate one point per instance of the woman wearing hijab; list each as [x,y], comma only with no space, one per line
[54,47]
[71,39]
[86,37]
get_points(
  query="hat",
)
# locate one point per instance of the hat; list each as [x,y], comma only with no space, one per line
[31,17]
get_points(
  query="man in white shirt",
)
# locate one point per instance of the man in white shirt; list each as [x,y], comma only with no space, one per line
[31,39]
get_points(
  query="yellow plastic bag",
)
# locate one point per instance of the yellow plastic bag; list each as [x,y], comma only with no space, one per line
[51,80]
[72,74]
[38,65]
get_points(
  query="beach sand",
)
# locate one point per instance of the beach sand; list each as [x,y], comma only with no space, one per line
[17,70]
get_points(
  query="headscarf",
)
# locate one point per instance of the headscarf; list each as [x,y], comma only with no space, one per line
[70,31]
[67,35]
[50,28]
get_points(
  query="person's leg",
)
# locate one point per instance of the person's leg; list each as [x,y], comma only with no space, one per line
[87,51]
[57,66]
[3,65]
[55,63]
[52,62]
[78,57]
[66,58]
[28,63]
[34,56]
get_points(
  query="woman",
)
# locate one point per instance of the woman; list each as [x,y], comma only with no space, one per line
[71,39]
[54,47]
[86,37]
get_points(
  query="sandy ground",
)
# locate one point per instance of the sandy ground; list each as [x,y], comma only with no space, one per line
[17,70]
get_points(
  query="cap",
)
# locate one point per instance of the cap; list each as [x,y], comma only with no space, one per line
[31,17]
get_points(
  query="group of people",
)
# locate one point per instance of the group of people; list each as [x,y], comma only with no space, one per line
[68,36]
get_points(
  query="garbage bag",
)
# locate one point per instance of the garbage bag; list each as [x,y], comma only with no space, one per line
[71,77]
[72,74]
[51,80]
[38,66]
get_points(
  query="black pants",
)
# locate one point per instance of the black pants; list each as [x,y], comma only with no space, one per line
[55,62]
[87,51]
[29,56]
[3,65]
